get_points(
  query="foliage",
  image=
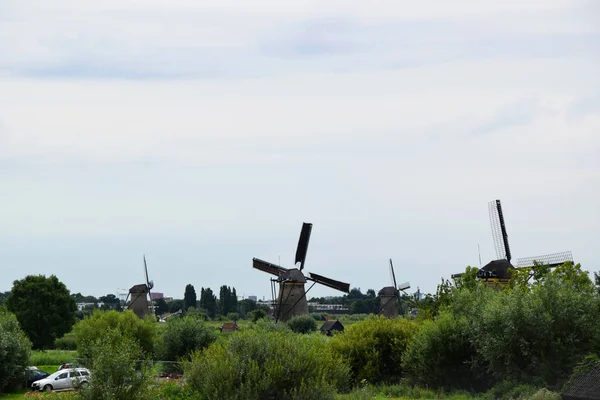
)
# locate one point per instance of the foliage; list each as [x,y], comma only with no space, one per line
[93,327]
[189,297]
[15,348]
[67,342]
[172,390]
[374,347]
[52,357]
[257,315]
[181,337]
[227,300]
[540,331]
[267,364]
[441,354]
[302,324]
[175,305]
[246,306]
[44,308]
[117,375]
[530,332]
[161,306]
[233,316]
[208,301]
[198,313]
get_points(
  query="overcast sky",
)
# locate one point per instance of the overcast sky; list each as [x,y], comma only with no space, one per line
[203,133]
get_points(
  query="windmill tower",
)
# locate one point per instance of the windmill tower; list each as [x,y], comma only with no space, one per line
[141,297]
[291,300]
[389,296]
[499,270]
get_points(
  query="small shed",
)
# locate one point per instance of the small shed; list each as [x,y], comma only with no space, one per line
[330,327]
[585,386]
[229,327]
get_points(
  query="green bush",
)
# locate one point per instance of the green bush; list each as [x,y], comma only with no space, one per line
[374,347]
[67,342]
[271,363]
[181,336]
[233,316]
[302,324]
[441,354]
[257,314]
[538,335]
[117,372]
[90,329]
[15,348]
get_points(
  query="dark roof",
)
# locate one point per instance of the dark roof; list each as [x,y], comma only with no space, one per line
[229,325]
[496,269]
[585,386]
[388,291]
[332,325]
[141,288]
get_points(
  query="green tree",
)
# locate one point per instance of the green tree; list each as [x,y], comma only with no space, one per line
[208,301]
[161,306]
[189,297]
[267,363]
[118,375]
[182,336]
[302,324]
[233,316]
[44,308]
[92,328]
[175,305]
[3,297]
[374,347]
[15,349]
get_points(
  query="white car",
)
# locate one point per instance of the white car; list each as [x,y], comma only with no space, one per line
[64,379]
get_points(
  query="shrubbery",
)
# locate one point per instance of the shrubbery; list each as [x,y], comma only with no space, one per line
[302,324]
[67,342]
[118,373]
[182,336]
[268,364]
[374,347]
[89,330]
[15,348]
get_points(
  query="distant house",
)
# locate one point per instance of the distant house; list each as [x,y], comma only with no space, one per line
[156,295]
[166,316]
[330,327]
[82,306]
[229,327]
[585,386]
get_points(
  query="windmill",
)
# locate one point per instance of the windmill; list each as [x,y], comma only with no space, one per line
[389,295]
[291,300]
[140,296]
[499,270]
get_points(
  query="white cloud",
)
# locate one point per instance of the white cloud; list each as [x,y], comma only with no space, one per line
[391,144]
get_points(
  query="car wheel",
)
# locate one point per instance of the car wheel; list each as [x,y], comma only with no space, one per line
[84,385]
[48,388]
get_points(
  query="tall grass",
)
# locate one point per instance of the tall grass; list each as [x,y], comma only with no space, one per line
[52,357]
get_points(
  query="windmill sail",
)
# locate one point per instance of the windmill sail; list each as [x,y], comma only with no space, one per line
[268,267]
[303,244]
[393,275]
[499,230]
[332,283]
[552,260]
